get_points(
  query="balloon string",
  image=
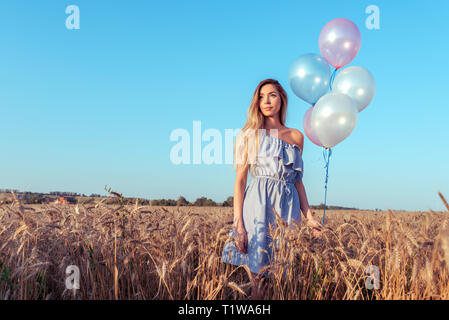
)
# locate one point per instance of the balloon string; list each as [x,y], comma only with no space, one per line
[326,160]
[332,78]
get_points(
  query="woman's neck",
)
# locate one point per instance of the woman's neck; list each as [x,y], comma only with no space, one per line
[272,123]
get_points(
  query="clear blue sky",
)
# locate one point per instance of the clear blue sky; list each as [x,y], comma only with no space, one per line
[95,106]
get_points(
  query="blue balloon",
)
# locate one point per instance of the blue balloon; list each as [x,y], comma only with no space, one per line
[309,77]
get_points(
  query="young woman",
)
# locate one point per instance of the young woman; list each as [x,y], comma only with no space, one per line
[273,153]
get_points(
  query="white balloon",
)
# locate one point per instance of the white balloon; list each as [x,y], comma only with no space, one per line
[356,82]
[334,117]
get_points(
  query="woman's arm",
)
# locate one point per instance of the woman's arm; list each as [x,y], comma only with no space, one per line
[241,157]
[304,203]
[239,190]
[239,193]
[241,237]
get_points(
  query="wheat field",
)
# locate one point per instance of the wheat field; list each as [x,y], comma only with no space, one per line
[130,251]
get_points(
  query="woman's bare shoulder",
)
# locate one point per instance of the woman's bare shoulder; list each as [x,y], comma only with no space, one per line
[295,135]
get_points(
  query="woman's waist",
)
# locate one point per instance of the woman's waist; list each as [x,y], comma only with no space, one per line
[278,179]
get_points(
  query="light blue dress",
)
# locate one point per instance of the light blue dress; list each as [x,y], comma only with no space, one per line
[278,167]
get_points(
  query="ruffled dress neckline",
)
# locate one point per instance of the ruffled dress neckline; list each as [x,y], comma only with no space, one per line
[264,132]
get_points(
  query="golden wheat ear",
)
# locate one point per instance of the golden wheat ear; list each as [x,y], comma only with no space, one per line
[444,201]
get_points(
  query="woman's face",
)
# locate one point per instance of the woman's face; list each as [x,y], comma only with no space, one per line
[269,100]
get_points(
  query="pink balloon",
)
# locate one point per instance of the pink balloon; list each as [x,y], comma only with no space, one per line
[307,125]
[339,42]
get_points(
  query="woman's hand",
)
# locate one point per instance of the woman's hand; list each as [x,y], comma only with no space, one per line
[313,223]
[241,238]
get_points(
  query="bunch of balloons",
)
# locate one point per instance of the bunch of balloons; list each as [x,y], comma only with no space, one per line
[336,99]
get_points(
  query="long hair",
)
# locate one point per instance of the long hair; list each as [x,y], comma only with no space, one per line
[246,145]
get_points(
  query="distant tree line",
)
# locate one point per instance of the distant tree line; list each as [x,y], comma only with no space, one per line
[9,190]
[200,202]
[321,207]
[73,197]
[66,194]
[229,202]
[34,198]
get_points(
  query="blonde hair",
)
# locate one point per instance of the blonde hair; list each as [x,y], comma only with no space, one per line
[247,141]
